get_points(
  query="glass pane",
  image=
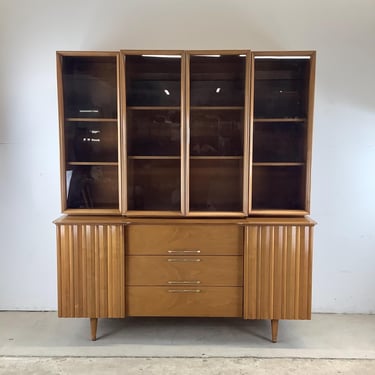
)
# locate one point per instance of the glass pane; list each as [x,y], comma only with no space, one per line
[279,142]
[153,132]
[278,187]
[91,141]
[281,88]
[217,99]
[217,81]
[90,86]
[153,81]
[154,185]
[216,185]
[92,186]
[216,132]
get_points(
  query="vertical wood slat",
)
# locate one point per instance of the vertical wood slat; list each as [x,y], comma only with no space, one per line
[91,271]
[278,264]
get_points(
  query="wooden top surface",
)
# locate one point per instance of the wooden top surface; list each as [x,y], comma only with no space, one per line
[121,220]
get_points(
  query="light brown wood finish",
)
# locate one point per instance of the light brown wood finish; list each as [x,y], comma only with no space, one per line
[184,270]
[182,240]
[193,301]
[277,276]
[91,272]
[310,117]
[274,329]
[93,328]
[213,264]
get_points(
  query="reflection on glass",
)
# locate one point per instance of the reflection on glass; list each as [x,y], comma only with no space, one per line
[153,81]
[154,185]
[217,81]
[278,187]
[90,86]
[155,132]
[92,186]
[279,142]
[91,141]
[216,185]
[216,132]
[281,88]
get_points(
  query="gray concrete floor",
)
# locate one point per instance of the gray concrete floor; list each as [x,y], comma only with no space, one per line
[41,343]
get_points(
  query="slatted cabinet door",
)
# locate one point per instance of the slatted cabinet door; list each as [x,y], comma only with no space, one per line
[91,271]
[278,263]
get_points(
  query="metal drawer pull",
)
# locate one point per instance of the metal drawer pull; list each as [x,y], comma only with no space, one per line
[184,291]
[184,282]
[184,251]
[183,260]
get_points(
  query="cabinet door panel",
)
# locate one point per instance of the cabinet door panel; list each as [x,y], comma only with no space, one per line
[282,96]
[277,272]
[91,271]
[89,126]
[217,120]
[154,127]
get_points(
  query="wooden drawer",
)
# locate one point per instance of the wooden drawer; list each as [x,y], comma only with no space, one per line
[185,239]
[188,270]
[184,301]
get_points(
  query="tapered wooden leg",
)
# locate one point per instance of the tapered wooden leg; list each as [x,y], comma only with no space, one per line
[93,326]
[274,328]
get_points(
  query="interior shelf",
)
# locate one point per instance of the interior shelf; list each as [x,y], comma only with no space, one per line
[277,164]
[148,157]
[92,119]
[280,119]
[215,108]
[153,108]
[216,157]
[92,163]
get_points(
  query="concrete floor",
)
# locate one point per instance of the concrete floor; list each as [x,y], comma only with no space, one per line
[40,343]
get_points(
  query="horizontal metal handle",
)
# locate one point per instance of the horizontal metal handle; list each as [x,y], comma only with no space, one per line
[184,291]
[184,282]
[183,260]
[184,251]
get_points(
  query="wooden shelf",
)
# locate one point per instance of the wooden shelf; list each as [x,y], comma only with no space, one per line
[216,157]
[109,163]
[152,157]
[277,164]
[281,119]
[93,119]
[216,108]
[153,108]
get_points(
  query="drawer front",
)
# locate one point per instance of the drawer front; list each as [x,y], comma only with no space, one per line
[184,301]
[185,239]
[187,270]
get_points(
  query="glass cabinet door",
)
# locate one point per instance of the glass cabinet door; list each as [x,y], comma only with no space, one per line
[153,119]
[282,106]
[88,92]
[217,113]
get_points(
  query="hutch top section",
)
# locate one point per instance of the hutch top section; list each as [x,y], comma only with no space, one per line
[186,133]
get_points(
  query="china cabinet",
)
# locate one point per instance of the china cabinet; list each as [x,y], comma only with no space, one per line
[185,184]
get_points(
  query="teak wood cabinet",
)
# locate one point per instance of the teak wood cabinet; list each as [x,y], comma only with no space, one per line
[185,180]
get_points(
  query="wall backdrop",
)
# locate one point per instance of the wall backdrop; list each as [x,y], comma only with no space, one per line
[343,174]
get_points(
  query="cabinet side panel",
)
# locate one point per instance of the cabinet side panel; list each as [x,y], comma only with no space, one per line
[91,271]
[278,265]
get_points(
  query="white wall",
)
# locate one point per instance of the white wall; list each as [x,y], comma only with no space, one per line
[343,188]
